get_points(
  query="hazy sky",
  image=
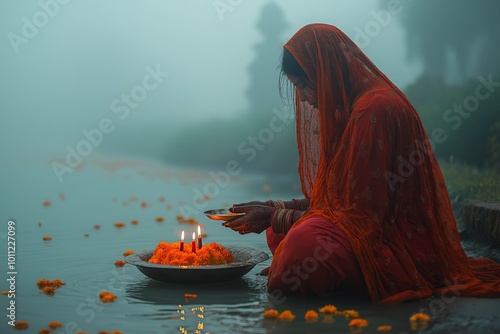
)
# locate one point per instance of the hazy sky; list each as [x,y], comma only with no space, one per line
[66,65]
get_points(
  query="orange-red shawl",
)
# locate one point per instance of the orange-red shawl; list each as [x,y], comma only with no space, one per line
[367,165]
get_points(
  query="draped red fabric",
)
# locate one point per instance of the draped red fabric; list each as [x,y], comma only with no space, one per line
[367,165]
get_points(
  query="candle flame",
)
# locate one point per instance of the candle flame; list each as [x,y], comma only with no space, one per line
[199,230]
[194,236]
[182,236]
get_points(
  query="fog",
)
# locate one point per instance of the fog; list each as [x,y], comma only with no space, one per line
[64,63]
[142,72]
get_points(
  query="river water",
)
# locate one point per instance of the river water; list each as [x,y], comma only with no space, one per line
[103,191]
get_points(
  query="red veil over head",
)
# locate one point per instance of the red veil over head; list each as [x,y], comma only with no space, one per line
[367,165]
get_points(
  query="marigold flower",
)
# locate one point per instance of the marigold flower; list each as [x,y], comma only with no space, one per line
[190,295]
[128,252]
[286,315]
[134,222]
[210,254]
[97,226]
[358,322]
[4,292]
[311,316]
[420,317]
[159,219]
[46,238]
[271,314]
[119,225]
[47,203]
[55,324]
[107,297]
[350,313]
[328,309]
[48,290]
[120,263]
[44,331]
[384,328]
[144,204]
[161,199]
[21,325]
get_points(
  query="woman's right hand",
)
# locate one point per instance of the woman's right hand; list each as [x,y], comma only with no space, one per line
[251,203]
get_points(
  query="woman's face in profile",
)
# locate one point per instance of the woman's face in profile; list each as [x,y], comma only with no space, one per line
[306,89]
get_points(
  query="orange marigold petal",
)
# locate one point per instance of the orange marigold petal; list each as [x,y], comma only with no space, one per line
[55,324]
[107,297]
[159,219]
[311,315]
[420,317]
[286,315]
[119,225]
[271,314]
[350,313]
[358,322]
[328,309]
[120,263]
[190,295]
[44,331]
[384,328]
[128,252]
[46,237]
[21,325]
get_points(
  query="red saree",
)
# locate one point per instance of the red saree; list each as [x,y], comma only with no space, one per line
[367,166]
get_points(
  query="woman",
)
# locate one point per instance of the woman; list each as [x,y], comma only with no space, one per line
[376,218]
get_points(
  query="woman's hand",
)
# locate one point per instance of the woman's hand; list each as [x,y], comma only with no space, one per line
[257,218]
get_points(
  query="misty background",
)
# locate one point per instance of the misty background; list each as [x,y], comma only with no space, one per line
[68,65]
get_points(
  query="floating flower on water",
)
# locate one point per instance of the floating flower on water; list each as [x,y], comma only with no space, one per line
[21,325]
[49,290]
[271,314]
[47,203]
[159,219]
[190,295]
[328,309]
[181,219]
[286,315]
[55,324]
[39,223]
[328,319]
[134,222]
[44,331]
[210,254]
[358,323]
[350,313]
[107,297]
[420,317]
[97,226]
[113,332]
[144,204]
[86,235]
[119,225]
[161,199]
[46,238]
[169,207]
[49,287]
[120,263]
[384,328]
[128,252]
[5,292]
[311,316]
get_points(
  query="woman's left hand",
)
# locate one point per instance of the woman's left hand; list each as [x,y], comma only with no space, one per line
[257,218]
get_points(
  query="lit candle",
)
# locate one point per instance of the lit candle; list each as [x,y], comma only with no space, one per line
[193,244]
[182,242]
[200,243]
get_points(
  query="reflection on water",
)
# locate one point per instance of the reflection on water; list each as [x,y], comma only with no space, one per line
[104,193]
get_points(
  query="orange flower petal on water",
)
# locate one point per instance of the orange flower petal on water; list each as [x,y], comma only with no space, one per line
[159,219]
[119,225]
[107,297]
[420,317]
[47,203]
[311,316]
[120,263]
[328,309]
[46,238]
[4,292]
[97,226]
[39,223]
[55,324]
[48,290]
[286,315]
[134,222]
[271,314]
[190,295]
[384,328]
[21,325]
[350,313]
[86,235]
[44,331]
[358,322]
[128,252]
